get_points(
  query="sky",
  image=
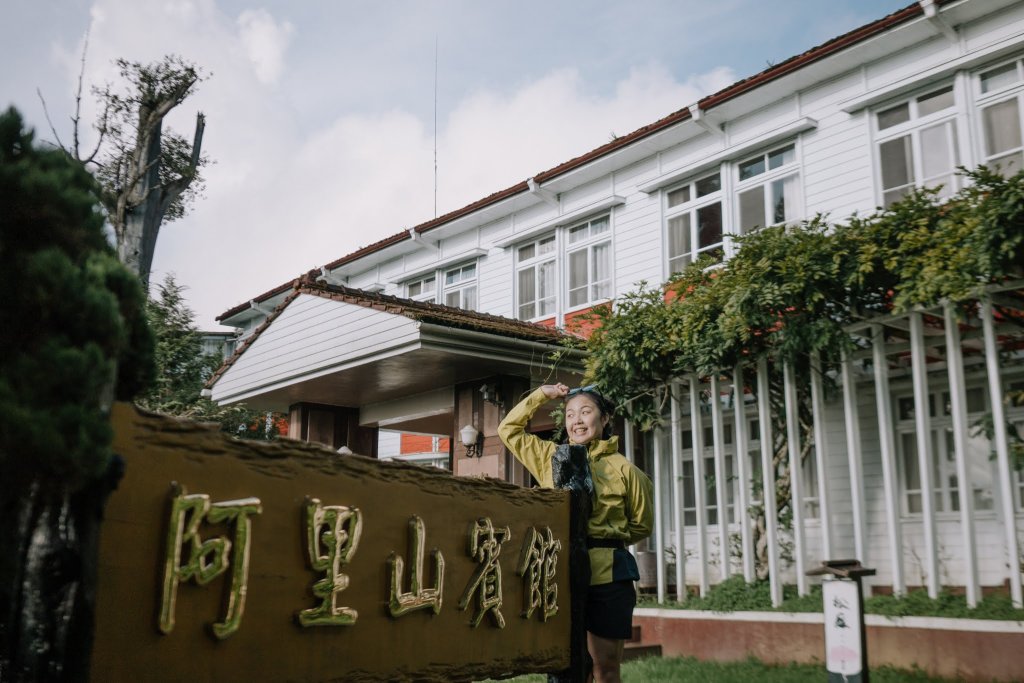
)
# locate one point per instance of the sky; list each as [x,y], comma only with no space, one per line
[321,122]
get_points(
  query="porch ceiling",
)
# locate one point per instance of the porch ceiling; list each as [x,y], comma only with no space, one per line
[411,372]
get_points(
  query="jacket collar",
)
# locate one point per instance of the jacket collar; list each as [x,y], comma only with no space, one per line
[602,447]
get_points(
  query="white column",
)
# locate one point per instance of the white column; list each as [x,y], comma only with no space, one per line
[965,488]
[925,448]
[821,456]
[771,515]
[851,414]
[699,485]
[718,434]
[795,474]
[995,394]
[743,473]
[627,440]
[677,492]
[886,439]
[659,517]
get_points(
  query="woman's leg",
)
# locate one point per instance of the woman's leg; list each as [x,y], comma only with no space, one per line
[607,656]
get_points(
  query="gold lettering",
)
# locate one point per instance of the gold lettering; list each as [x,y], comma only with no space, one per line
[538,561]
[417,598]
[484,546]
[332,538]
[207,559]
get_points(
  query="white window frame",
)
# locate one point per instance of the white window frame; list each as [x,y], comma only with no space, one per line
[945,497]
[462,285]
[913,129]
[691,209]
[589,244]
[767,179]
[429,296]
[985,100]
[534,264]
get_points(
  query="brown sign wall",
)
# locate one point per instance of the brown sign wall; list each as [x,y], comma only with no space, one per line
[173,564]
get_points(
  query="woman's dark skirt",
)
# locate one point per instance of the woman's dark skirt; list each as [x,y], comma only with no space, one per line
[610,610]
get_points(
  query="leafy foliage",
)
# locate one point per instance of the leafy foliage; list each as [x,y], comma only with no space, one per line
[183,370]
[74,333]
[790,290]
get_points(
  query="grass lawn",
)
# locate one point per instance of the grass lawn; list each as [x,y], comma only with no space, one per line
[689,670]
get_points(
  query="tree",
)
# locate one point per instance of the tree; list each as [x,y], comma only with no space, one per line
[146,174]
[74,337]
[183,369]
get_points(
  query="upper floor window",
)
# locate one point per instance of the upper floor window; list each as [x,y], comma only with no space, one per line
[460,287]
[917,145]
[694,213]
[424,289]
[590,262]
[536,283]
[1001,90]
[767,189]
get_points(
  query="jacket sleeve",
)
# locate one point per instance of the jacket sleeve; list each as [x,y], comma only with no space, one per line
[534,452]
[640,512]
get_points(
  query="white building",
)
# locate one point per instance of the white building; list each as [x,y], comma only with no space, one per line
[848,126]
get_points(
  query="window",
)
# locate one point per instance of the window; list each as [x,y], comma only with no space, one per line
[917,145]
[422,290]
[694,213]
[767,188]
[590,262]
[460,287]
[943,465]
[536,282]
[1001,117]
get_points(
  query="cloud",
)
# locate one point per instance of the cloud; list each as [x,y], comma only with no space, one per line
[265,42]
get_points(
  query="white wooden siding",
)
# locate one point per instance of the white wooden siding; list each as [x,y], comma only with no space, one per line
[313,334]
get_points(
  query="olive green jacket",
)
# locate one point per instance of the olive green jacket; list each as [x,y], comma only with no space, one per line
[623,506]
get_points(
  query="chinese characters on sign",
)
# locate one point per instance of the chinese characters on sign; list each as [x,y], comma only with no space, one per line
[210,558]
[843,646]
[332,534]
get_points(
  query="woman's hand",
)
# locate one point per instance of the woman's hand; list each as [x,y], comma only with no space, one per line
[553,391]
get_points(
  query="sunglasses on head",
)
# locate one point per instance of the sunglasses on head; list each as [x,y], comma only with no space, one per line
[589,389]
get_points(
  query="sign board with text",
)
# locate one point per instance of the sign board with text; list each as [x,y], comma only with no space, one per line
[237,560]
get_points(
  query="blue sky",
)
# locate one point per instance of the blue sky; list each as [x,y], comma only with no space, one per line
[320,114]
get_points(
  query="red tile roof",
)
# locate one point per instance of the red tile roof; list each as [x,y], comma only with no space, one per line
[436,314]
[774,72]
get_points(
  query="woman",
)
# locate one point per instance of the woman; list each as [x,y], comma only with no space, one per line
[622,511]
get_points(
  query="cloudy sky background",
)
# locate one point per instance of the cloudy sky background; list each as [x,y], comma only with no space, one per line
[320,114]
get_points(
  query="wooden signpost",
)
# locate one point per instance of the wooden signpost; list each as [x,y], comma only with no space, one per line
[225,560]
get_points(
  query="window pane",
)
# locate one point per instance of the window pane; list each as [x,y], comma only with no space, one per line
[1008,165]
[578,277]
[453,298]
[897,164]
[937,155]
[752,167]
[709,225]
[469,272]
[428,285]
[526,253]
[527,288]
[451,277]
[999,77]
[979,469]
[893,117]
[706,186]
[680,196]
[414,288]
[602,271]
[578,233]
[751,209]
[679,236]
[911,474]
[598,225]
[469,298]
[527,311]
[546,280]
[546,245]
[1002,127]
[784,199]
[781,157]
[935,101]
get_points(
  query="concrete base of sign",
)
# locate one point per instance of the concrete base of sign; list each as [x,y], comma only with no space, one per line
[966,649]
